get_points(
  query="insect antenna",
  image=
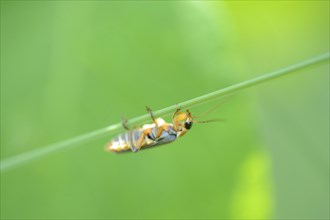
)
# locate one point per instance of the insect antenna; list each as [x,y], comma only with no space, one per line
[211,120]
[212,109]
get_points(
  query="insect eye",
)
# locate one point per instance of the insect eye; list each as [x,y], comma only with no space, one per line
[188,124]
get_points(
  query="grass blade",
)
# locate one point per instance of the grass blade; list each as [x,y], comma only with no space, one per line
[33,155]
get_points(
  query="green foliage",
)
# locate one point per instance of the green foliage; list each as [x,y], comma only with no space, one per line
[72,67]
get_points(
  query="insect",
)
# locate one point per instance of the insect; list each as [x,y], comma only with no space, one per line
[155,134]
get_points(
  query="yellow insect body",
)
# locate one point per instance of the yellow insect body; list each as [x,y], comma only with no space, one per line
[158,133]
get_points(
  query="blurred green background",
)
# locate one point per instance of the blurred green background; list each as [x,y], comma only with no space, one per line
[68,68]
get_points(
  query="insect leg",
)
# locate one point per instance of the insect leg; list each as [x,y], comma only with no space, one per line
[175,122]
[176,112]
[153,118]
[159,131]
[151,114]
[140,141]
[124,123]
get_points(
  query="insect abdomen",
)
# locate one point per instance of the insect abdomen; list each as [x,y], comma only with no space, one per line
[124,142]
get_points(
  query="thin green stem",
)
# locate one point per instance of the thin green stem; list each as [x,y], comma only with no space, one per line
[30,156]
